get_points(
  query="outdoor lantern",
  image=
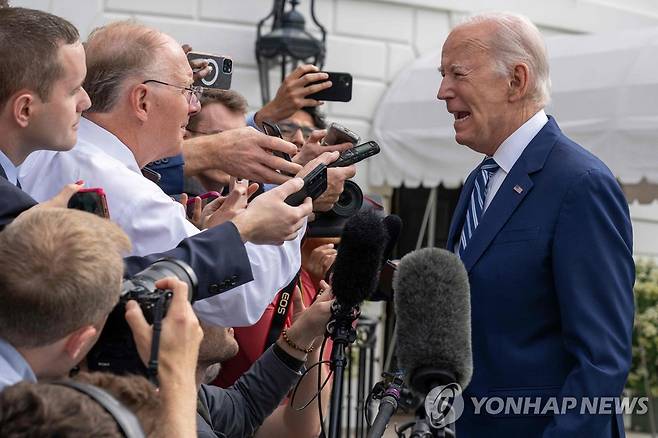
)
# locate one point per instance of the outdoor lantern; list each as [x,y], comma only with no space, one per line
[288,43]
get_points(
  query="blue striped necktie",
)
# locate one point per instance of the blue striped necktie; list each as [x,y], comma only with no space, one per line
[476,204]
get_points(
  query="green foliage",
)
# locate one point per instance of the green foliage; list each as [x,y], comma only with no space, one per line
[645,330]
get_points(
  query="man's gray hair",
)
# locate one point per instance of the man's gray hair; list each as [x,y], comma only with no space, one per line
[517,40]
[116,52]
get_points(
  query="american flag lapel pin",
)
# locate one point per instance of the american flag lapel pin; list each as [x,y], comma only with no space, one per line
[518,189]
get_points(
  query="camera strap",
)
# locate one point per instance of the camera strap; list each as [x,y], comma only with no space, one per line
[281,310]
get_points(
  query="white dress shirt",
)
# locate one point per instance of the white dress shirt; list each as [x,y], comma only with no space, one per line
[510,150]
[155,222]
[10,170]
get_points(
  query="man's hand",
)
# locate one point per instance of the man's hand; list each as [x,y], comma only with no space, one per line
[312,148]
[336,177]
[269,220]
[61,200]
[200,67]
[291,95]
[227,207]
[243,152]
[181,334]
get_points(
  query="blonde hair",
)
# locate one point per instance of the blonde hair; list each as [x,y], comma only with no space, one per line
[61,270]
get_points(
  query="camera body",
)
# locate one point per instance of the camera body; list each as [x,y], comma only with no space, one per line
[115,350]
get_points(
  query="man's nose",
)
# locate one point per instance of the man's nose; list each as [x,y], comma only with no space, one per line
[298,138]
[85,102]
[445,91]
[194,107]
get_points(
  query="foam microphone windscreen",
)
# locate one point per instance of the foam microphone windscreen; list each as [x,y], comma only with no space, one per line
[433,307]
[359,258]
[393,225]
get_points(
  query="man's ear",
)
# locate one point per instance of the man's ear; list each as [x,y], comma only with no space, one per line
[140,102]
[80,341]
[23,108]
[519,82]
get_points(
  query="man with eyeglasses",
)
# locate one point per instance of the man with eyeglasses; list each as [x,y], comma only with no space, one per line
[139,82]
[221,110]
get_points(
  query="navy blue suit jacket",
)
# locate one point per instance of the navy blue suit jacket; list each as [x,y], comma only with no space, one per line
[217,255]
[551,275]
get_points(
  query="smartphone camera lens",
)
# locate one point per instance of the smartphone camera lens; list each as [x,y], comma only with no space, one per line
[227,66]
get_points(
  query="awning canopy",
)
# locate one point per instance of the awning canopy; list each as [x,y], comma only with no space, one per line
[604,96]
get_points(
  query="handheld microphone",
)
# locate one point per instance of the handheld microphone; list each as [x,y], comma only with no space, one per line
[432,302]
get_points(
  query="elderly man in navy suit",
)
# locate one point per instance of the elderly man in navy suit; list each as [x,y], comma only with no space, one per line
[543,229]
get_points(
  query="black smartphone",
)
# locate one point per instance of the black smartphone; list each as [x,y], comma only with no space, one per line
[221,71]
[338,134]
[356,154]
[91,200]
[340,90]
[315,183]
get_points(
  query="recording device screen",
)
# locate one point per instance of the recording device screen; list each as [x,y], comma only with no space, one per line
[91,200]
[340,90]
[221,71]
[356,154]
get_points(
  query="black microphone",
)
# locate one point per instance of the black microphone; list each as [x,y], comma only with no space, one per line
[359,258]
[355,276]
[433,307]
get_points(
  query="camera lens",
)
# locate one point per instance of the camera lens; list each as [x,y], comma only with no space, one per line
[227,66]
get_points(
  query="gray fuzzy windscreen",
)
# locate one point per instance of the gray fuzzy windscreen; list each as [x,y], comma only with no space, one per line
[432,302]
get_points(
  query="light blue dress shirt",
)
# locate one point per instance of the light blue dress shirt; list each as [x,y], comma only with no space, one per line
[13,367]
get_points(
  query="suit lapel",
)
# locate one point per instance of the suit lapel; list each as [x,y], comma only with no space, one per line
[511,193]
[460,211]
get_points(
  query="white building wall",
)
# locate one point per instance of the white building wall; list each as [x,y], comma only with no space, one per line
[372,39]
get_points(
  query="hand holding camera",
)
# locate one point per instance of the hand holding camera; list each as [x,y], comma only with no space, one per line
[181,332]
[179,350]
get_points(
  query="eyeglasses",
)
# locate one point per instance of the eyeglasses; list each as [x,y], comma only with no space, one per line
[192,94]
[290,128]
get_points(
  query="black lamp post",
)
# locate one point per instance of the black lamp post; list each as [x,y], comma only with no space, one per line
[288,43]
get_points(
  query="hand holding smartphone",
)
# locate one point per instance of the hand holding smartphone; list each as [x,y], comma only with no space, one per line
[337,134]
[221,70]
[340,90]
[92,200]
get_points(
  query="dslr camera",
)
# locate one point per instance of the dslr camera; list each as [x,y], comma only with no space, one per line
[115,351]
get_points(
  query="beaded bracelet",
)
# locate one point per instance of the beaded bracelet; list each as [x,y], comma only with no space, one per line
[284,334]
